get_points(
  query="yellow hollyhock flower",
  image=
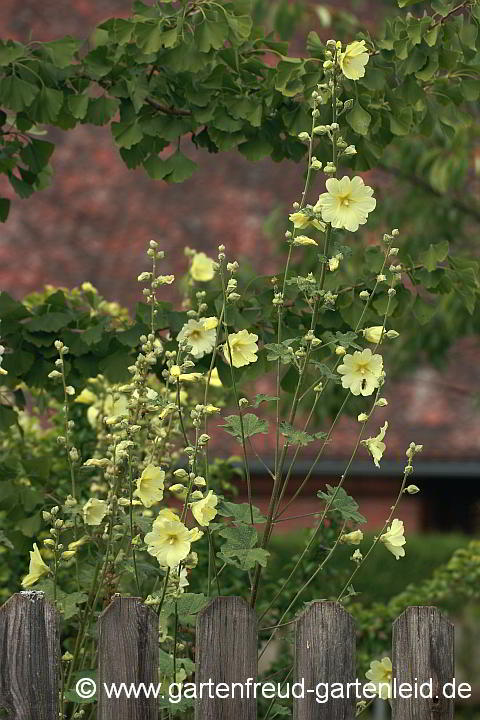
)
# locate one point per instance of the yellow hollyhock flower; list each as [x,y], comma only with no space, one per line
[215,379]
[374,334]
[376,446]
[243,348]
[195,534]
[202,269]
[37,568]
[361,372]
[150,485]
[352,538]
[346,203]
[200,339]
[169,541]
[394,539]
[94,511]
[75,544]
[380,674]
[112,406]
[205,510]
[190,377]
[86,397]
[210,323]
[300,220]
[167,514]
[354,59]
[304,240]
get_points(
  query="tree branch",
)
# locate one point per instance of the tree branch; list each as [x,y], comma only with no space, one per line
[168,110]
[424,185]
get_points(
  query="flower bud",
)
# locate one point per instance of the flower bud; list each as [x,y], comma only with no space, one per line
[340,350]
[68,554]
[412,489]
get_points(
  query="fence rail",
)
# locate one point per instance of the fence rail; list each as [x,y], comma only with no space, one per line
[226,652]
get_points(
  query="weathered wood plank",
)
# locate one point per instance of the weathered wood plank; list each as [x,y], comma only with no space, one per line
[128,653]
[422,650]
[324,653]
[226,652]
[29,657]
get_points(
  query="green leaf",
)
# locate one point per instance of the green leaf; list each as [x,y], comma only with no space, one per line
[338,500]
[239,549]
[101,110]
[11,309]
[359,119]
[241,26]
[8,417]
[36,154]
[180,167]
[211,34]
[98,62]
[115,366]
[148,36]
[186,604]
[10,51]
[435,254]
[5,541]
[156,167]
[423,311]
[261,398]
[78,105]
[407,3]
[470,89]
[288,78]
[4,209]
[295,437]
[256,148]
[126,134]
[47,105]
[61,52]
[464,277]
[71,694]
[280,351]
[240,512]
[49,322]
[252,425]
[17,94]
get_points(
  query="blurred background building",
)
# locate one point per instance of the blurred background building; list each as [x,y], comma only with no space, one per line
[74,231]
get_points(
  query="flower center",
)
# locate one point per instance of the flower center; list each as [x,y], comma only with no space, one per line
[344,200]
[172,539]
[195,335]
[362,368]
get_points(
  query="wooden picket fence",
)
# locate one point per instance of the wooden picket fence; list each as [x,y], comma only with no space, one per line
[226,652]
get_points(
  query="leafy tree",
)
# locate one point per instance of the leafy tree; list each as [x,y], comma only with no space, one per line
[205,72]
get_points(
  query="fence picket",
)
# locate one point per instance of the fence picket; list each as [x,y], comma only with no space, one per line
[226,652]
[324,653]
[128,652]
[29,657]
[422,649]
